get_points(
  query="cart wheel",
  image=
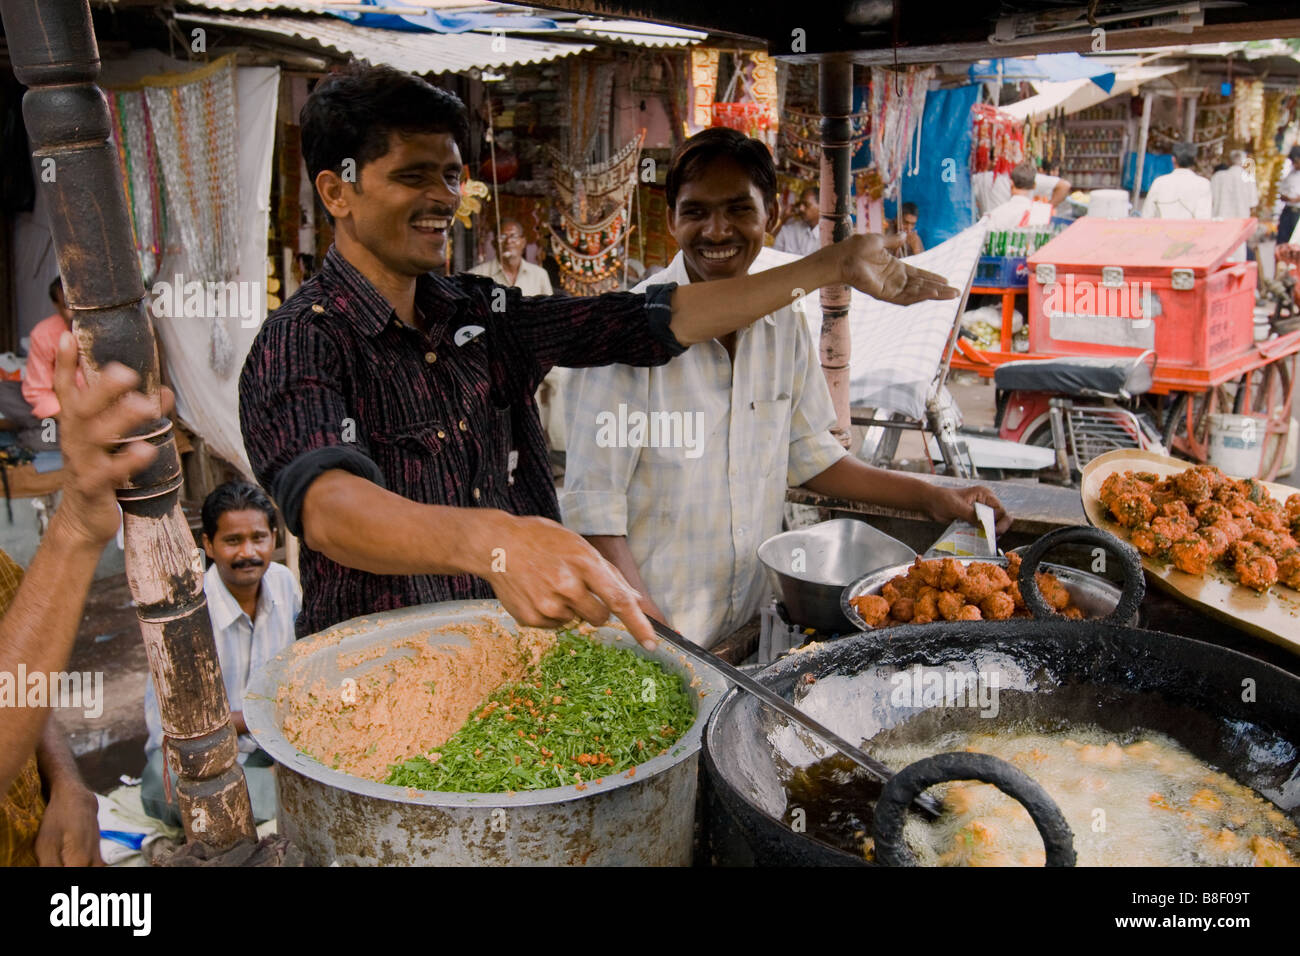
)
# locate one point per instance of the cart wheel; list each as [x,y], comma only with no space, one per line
[1266,393]
[1194,410]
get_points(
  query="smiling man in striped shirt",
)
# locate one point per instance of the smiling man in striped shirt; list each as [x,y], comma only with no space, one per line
[389,409]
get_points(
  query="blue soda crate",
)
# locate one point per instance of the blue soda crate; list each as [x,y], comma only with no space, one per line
[1003,272]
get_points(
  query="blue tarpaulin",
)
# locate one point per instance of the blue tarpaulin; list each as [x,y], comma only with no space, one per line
[941,186]
[431,21]
[1155,164]
[1053,67]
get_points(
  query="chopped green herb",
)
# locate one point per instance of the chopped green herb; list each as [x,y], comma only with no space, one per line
[583,713]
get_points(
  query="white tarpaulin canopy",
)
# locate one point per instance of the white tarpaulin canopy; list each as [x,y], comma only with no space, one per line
[1072,96]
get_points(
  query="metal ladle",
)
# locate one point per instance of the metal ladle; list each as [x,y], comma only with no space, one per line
[923,801]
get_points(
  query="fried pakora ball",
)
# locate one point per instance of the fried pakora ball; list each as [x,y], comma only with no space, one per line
[1131,510]
[1191,555]
[1013,565]
[873,608]
[1257,571]
[1271,519]
[950,605]
[1054,592]
[1147,541]
[1175,510]
[1288,570]
[1215,538]
[1192,485]
[969,612]
[927,606]
[1292,505]
[927,572]
[904,609]
[983,580]
[1236,504]
[1173,529]
[951,574]
[997,606]
[1208,512]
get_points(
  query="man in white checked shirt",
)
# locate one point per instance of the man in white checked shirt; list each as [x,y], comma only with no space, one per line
[676,474]
[252,602]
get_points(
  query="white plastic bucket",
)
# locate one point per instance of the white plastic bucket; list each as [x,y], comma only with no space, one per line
[1108,204]
[1236,444]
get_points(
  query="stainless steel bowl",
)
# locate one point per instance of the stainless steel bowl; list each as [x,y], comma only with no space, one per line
[641,819]
[1093,595]
[813,565]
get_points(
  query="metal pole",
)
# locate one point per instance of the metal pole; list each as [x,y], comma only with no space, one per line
[54,53]
[836,104]
[1141,147]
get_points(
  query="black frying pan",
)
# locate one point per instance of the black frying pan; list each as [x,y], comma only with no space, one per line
[1232,711]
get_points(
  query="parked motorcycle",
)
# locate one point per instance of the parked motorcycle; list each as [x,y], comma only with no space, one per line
[1080,407]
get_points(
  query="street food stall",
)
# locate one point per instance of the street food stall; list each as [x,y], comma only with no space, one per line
[1119,288]
[1171,703]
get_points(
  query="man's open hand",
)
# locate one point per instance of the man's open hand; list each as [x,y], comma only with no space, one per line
[551,575]
[867,266]
[91,420]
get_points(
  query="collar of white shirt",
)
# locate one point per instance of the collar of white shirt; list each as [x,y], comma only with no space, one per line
[222,605]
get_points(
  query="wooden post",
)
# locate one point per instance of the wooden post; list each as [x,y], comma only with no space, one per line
[54,53]
[1141,148]
[836,104]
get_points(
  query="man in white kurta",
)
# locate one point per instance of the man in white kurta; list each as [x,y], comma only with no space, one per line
[676,474]
[1181,194]
[694,514]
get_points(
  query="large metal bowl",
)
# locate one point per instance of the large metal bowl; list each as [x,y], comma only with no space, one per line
[812,566]
[336,818]
[1093,595]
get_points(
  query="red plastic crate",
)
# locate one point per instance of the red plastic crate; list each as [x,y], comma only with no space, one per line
[1112,274]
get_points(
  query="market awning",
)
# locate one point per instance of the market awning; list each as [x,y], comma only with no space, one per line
[412,52]
[1075,95]
[1049,67]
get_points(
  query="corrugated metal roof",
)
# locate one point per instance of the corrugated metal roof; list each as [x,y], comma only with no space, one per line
[412,52]
[635,32]
[632,31]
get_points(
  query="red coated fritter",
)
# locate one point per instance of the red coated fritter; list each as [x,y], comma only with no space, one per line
[1200,516]
[1192,555]
[1257,571]
[1288,570]
[1215,538]
[1133,509]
